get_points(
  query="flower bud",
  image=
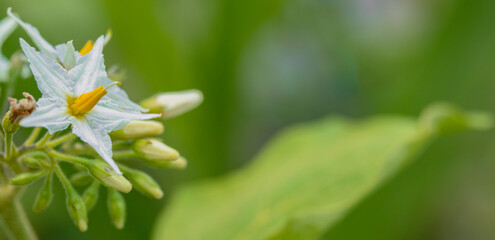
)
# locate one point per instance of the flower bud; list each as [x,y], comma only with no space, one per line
[144,183]
[90,195]
[77,209]
[108,177]
[80,179]
[26,178]
[138,129]
[154,152]
[45,196]
[172,104]
[18,111]
[31,162]
[179,163]
[116,208]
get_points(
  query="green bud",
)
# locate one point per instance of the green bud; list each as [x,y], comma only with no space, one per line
[31,162]
[77,209]
[116,208]
[138,129]
[8,125]
[45,196]
[90,195]
[108,177]
[26,178]
[75,204]
[179,163]
[154,152]
[36,159]
[143,183]
[81,179]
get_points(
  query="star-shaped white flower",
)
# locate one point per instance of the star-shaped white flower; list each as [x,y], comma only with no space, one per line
[81,97]
[7,26]
[66,55]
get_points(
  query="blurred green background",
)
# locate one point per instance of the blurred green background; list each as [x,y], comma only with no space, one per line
[265,64]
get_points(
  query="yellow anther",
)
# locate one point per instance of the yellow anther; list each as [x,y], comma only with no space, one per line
[81,105]
[84,103]
[87,47]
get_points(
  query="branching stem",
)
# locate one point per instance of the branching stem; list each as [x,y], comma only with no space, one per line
[60,140]
[32,137]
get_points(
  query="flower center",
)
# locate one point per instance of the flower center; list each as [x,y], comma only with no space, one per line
[87,48]
[78,106]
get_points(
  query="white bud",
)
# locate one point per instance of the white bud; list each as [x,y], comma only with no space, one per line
[179,163]
[155,153]
[172,104]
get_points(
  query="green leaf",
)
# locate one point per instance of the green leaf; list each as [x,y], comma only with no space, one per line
[308,178]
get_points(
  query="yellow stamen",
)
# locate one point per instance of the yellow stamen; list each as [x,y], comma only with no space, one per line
[81,105]
[87,47]
[84,103]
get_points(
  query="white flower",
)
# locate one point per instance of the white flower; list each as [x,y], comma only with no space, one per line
[82,97]
[66,55]
[171,104]
[7,26]
[59,52]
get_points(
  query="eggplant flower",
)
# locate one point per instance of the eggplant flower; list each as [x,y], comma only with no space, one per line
[7,26]
[81,97]
[66,55]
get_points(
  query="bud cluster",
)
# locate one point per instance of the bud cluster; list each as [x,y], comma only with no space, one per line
[97,154]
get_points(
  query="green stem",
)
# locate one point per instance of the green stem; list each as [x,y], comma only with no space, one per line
[8,146]
[41,143]
[32,137]
[62,177]
[15,221]
[60,140]
[68,158]
[82,151]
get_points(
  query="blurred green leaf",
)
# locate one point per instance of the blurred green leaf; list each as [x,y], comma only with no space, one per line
[307,179]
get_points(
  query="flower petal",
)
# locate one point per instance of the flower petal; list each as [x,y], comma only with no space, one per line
[89,72]
[62,50]
[52,79]
[50,114]
[69,56]
[117,94]
[95,135]
[35,35]
[112,117]
[7,26]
